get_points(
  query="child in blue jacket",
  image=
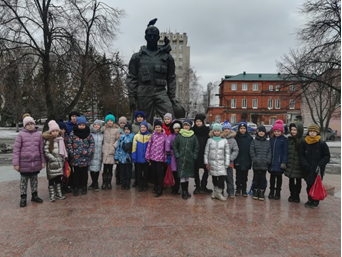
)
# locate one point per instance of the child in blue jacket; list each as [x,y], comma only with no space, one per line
[279,159]
[140,143]
[123,156]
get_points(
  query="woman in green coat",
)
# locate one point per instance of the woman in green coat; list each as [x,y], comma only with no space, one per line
[294,170]
[185,148]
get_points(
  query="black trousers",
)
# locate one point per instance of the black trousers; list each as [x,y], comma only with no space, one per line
[55,180]
[276,177]
[218,181]
[142,173]
[108,168]
[80,178]
[125,173]
[241,179]
[157,169]
[295,185]
[175,188]
[259,179]
[201,183]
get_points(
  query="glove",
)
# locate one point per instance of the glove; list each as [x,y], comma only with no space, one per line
[283,166]
[132,103]
[168,160]
[318,170]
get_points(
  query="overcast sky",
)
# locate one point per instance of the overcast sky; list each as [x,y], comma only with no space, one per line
[225,37]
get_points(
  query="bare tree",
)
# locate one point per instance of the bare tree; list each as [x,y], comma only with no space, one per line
[63,33]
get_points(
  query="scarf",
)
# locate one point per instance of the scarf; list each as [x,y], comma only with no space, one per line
[201,131]
[82,133]
[186,133]
[217,138]
[61,146]
[311,140]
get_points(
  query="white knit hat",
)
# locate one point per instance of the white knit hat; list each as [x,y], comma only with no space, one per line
[53,125]
[27,120]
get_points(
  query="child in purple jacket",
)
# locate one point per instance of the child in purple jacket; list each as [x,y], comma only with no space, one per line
[28,159]
[155,154]
[176,126]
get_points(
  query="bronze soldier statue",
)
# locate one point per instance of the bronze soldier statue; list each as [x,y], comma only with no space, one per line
[151,81]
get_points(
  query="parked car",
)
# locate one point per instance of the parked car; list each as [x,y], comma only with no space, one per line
[331,134]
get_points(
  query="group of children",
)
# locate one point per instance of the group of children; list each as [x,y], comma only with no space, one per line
[184,146]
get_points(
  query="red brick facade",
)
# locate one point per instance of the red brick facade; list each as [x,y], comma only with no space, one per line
[258,101]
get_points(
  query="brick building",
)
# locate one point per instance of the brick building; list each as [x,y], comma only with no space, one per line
[258,98]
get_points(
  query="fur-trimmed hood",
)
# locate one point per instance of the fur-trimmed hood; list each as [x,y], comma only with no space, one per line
[211,134]
[94,131]
[46,135]
[232,134]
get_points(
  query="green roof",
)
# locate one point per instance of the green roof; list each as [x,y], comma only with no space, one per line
[256,77]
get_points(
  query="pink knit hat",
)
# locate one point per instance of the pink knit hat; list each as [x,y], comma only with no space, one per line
[53,125]
[28,119]
[278,126]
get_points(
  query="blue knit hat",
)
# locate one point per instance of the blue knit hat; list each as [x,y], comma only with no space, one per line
[110,117]
[188,122]
[81,120]
[98,122]
[143,123]
[217,126]
[226,125]
[242,123]
[61,124]
[139,113]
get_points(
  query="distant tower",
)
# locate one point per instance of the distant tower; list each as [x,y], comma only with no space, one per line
[181,53]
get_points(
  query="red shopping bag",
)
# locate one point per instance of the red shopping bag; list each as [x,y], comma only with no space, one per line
[67,169]
[317,191]
[168,179]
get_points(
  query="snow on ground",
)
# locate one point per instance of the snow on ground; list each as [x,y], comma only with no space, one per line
[10,132]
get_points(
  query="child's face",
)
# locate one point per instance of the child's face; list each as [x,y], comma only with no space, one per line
[143,128]
[167,120]
[227,130]
[110,123]
[261,133]
[158,129]
[73,118]
[97,126]
[199,123]
[242,130]
[127,131]
[312,133]
[176,130]
[140,119]
[30,126]
[217,133]
[81,126]
[186,126]
[277,133]
[294,131]
[54,133]
[122,124]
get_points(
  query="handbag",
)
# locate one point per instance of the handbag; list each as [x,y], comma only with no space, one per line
[168,179]
[66,170]
[317,191]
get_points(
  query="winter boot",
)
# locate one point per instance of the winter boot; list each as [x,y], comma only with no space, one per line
[271,195]
[59,194]
[104,181]
[296,198]
[75,191]
[91,187]
[23,200]
[220,196]
[109,180]
[187,189]
[277,194]
[238,192]
[84,191]
[96,187]
[255,194]
[52,195]
[35,198]
[184,191]
[214,194]
[261,195]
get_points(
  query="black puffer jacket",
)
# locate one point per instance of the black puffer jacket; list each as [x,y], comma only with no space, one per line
[243,160]
[261,153]
[202,134]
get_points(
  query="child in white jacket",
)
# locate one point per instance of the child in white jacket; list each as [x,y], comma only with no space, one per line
[217,159]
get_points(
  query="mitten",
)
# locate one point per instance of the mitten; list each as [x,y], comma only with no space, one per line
[168,160]
[283,166]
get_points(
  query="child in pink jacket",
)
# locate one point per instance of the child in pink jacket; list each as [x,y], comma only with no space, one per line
[28,159]
[155,154]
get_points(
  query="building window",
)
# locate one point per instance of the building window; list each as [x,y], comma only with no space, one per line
[273,119]
[292,88]
[270,104]
[277,103]
[244,103]
[233,118]
[180,63]
[244,87]
[292,103]
[234,86]
[255,104]
[255,87]
[277,88]
[218,118]
[270,88]
[233,103]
